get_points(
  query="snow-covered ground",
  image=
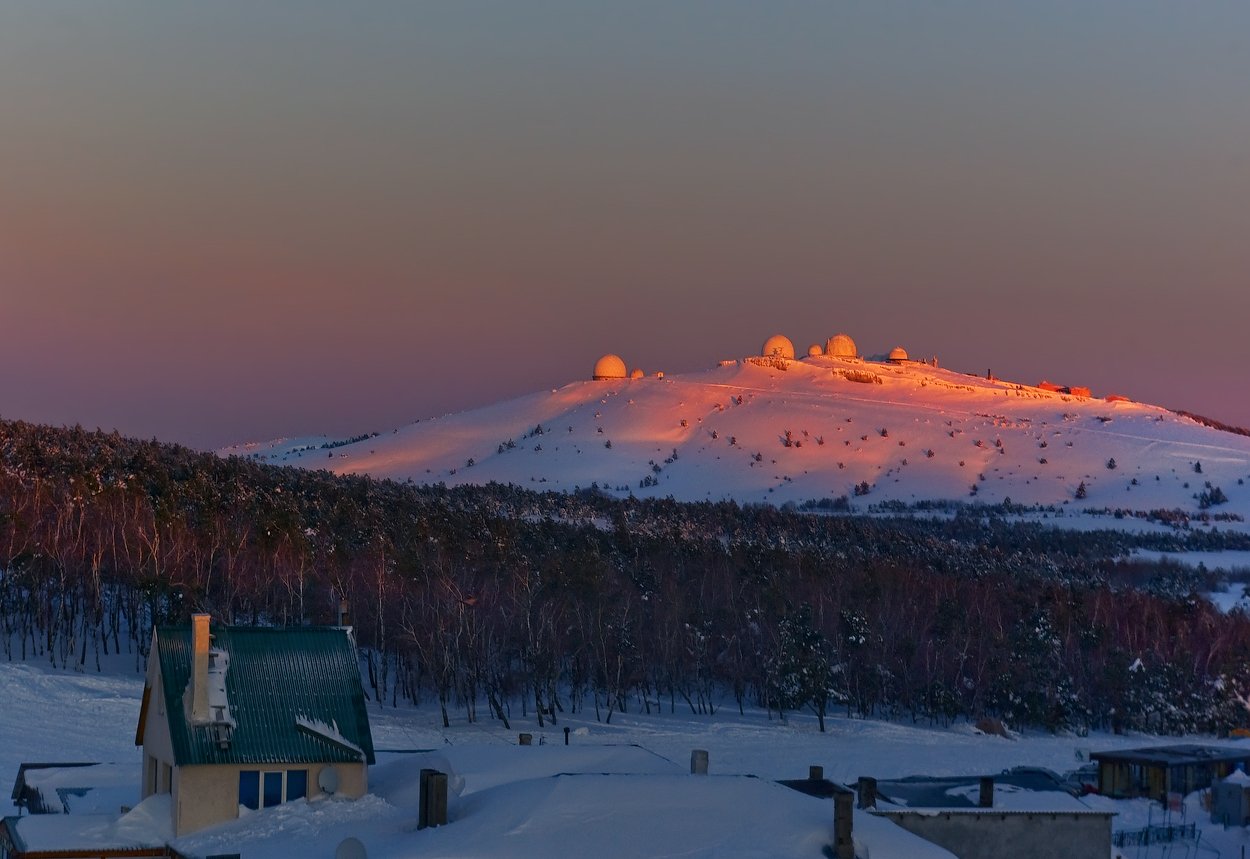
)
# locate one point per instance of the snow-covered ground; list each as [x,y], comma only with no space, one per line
[616,790]
[1236,564]
[1232,597]
[815,430]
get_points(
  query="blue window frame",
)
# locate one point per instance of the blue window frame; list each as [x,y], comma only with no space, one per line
[249,789]
[273,789]
[296,784]
[266,789]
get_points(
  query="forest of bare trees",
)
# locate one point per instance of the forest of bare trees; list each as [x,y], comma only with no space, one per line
[489,602]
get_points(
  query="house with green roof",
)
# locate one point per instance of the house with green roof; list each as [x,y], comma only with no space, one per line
[238,718]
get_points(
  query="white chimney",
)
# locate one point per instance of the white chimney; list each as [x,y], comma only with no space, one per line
[199,669]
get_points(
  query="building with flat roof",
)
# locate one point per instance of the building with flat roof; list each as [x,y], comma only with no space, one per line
[1159,770]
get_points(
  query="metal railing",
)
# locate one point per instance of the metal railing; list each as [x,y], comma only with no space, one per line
[1154,835]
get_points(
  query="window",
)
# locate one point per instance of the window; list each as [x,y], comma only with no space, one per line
[273,789]
[266,789]
[249,789]
[296,784]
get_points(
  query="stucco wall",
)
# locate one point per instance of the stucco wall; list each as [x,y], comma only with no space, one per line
[205,795]
[990,835]
[156,739]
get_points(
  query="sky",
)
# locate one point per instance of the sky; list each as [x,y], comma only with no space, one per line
[232,221]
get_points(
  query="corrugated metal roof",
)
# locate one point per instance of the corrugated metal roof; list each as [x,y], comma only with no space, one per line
[275,677]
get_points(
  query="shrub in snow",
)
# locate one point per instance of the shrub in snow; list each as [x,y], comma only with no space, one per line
[1211,497]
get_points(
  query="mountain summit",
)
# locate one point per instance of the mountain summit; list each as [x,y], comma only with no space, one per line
[776,429]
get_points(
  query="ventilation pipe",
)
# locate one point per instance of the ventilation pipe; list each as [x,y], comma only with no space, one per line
[432,799]
[987,792]
[867,792]
[843,814]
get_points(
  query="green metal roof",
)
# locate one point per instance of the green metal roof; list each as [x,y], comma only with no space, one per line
[275,677]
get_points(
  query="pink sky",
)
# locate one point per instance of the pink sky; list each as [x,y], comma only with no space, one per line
[223,223]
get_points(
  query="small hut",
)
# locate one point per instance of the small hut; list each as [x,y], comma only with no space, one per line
[1159,770]
[1230,799]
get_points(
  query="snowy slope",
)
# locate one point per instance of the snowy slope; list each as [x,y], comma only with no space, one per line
[508,800]
[912,432]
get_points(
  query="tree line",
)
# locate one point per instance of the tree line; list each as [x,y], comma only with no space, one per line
[493,601]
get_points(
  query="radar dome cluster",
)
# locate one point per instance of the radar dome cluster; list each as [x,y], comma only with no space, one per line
[778,346]
[837,346]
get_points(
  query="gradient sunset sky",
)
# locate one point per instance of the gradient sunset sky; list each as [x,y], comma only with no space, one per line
[227,221]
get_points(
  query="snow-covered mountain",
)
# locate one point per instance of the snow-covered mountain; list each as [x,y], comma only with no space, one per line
[776,430]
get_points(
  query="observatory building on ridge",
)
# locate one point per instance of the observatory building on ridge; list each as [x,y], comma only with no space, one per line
[609,367]
[841,346]
[778,346]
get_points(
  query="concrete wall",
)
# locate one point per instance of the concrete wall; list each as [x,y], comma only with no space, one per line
[209,794]
[1019,835]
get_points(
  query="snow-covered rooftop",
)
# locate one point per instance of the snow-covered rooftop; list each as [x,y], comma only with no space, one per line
[146,826]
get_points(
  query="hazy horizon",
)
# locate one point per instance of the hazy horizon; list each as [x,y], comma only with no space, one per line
[228,222]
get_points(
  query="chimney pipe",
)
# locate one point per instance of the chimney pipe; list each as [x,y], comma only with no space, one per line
[867,792]
[843,814]
[987,791]
[200,639]
[815,773]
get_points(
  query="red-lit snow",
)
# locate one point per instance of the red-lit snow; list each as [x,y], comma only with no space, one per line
[921,433]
